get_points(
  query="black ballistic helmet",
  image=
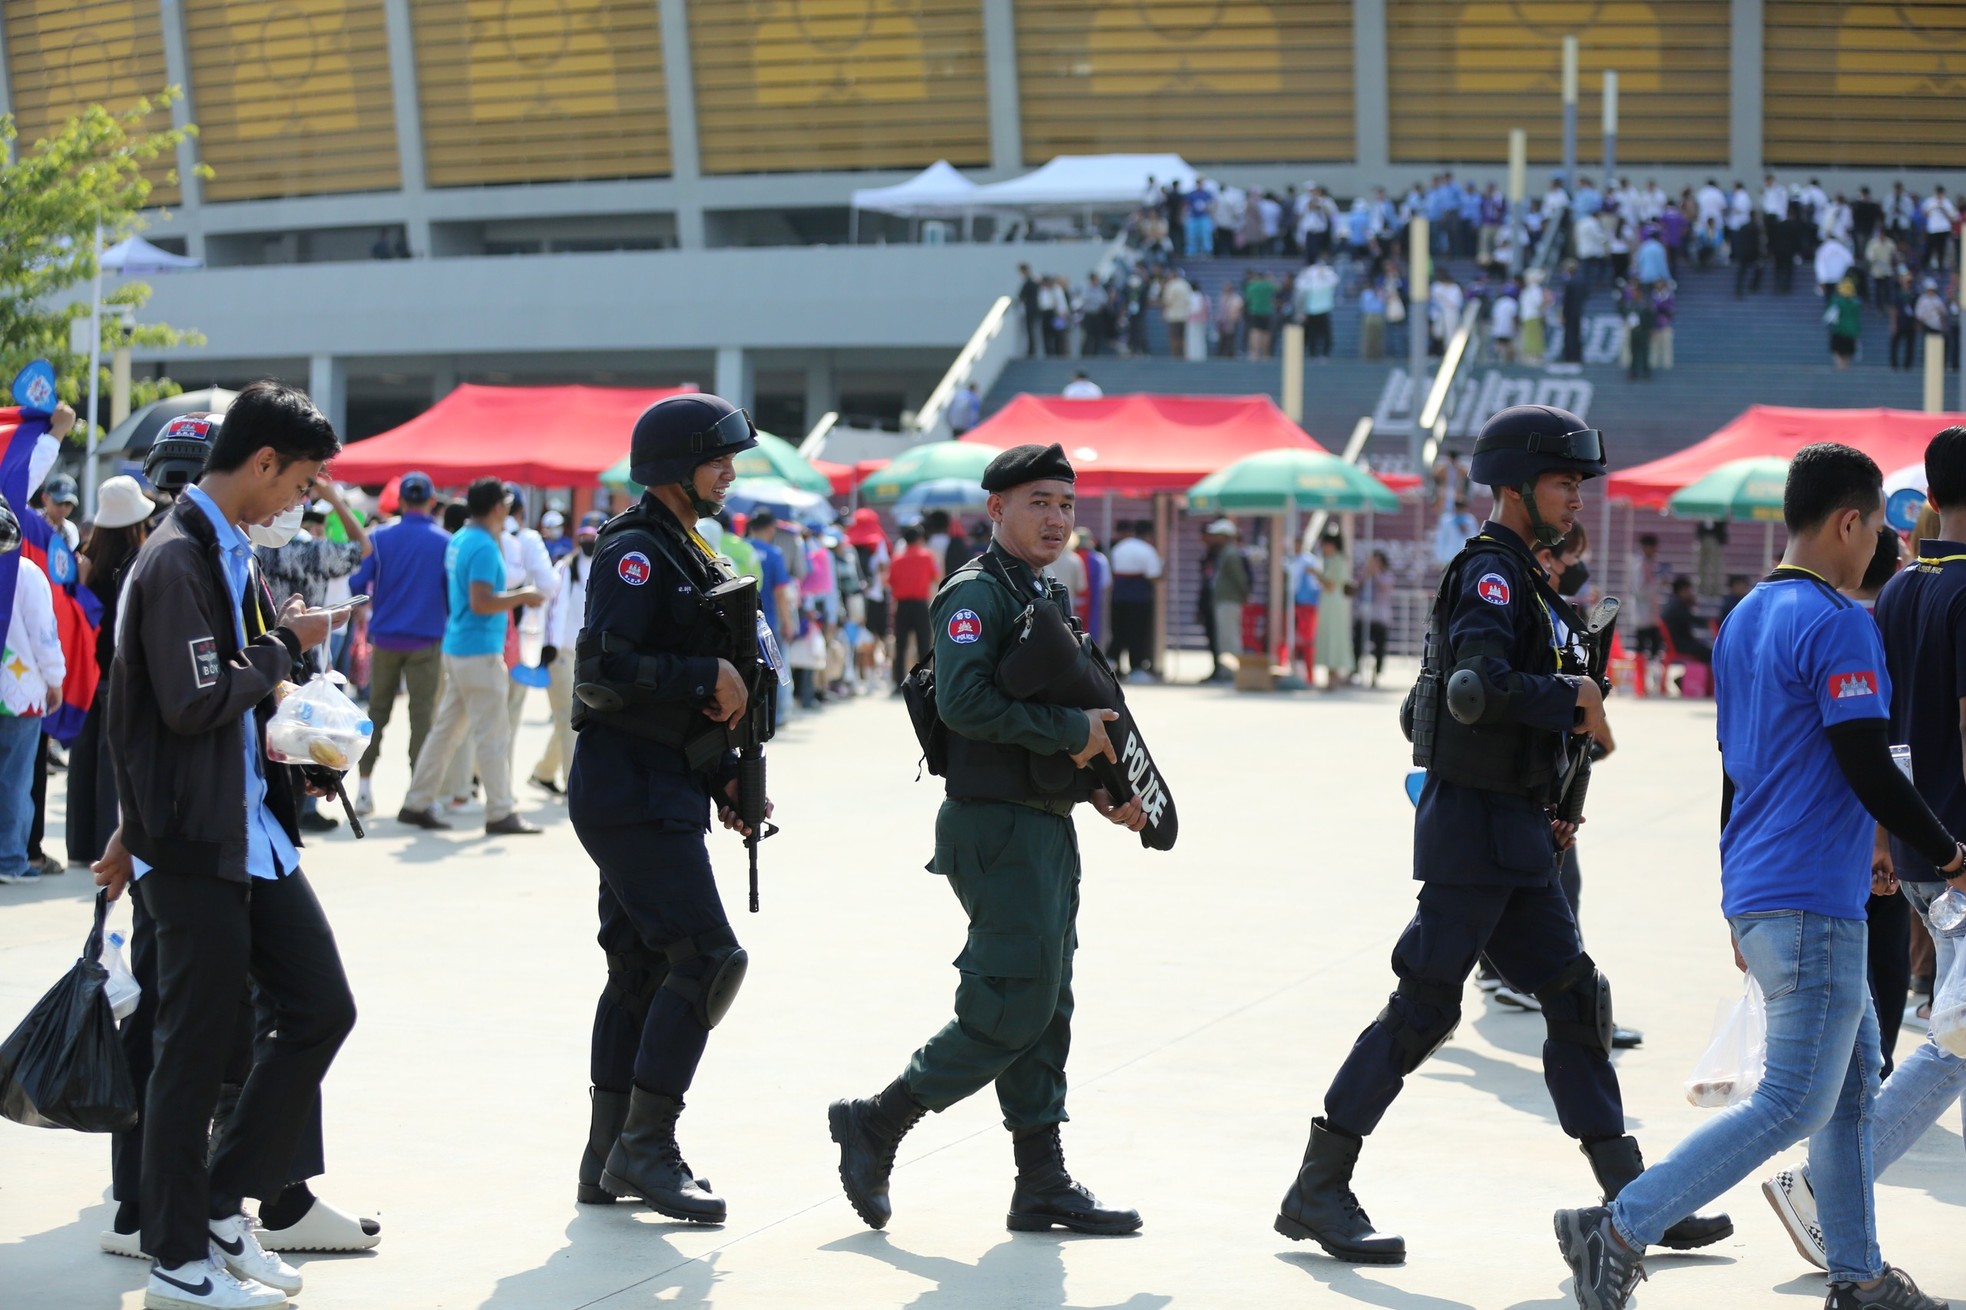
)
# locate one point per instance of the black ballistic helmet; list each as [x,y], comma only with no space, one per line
[1522,442]
[177,456]
[673,436]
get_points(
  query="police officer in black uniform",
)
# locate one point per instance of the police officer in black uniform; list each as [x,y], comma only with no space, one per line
[1509,716]
[654,705]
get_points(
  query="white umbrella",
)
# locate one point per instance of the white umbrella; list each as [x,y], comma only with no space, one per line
[132,255]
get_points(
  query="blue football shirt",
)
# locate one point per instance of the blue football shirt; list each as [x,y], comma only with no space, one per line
[1793,660]
[474,555]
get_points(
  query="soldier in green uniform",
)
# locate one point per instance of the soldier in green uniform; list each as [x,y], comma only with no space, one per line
[1005,841]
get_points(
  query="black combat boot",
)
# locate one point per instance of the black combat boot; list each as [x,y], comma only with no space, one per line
[869,1131]
[646,1162]
[1320,1205]
[1616,1162]
[609,1112]
[1045,1195]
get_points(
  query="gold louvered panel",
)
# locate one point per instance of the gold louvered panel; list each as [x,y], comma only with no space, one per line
[540,90]
[292,97]
[798,85]
[65,55]
[1235,81]
[1461,73]
[1863,85]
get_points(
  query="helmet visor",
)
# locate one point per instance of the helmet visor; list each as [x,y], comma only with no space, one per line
[1586,446]
[733,429]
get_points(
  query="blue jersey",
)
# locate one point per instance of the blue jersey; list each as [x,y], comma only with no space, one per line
[1793,660]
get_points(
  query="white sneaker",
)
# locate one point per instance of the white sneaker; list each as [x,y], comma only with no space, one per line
[322,1228]
[364,799]
[1794,1202]
[207,1285]
[129,1244]
[1515,1000]
[235,1242]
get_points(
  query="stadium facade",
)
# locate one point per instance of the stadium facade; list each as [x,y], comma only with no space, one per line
[657,190]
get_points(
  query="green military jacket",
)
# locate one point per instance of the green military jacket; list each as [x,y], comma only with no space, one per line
[974,619]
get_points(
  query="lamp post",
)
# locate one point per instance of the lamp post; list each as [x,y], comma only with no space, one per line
[119,367]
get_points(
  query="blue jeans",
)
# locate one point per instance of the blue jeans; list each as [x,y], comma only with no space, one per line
[18,740]
[1820,1083]
[1928,1081]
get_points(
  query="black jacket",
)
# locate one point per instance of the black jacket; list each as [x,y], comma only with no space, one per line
[179,689]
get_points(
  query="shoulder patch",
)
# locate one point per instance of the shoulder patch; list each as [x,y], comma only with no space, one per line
[1493,588]
[965,626]
[634,568]
[204,661]
[1849,686]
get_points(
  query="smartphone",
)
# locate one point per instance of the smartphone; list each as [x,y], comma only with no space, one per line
[349,604]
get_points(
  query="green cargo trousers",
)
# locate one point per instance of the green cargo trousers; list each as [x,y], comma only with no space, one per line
[1016,871]
[421,673]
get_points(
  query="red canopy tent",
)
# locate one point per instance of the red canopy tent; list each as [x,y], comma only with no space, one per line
[1892,437]
[540,436]
[1139,445]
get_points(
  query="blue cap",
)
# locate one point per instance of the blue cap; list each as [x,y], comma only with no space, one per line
[417,488]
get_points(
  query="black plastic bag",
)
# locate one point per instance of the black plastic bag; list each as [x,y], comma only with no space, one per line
[64,1066]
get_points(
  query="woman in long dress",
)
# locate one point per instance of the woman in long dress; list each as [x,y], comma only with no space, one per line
[1334,620]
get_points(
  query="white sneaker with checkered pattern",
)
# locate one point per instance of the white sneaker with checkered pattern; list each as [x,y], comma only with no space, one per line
[1794,1203]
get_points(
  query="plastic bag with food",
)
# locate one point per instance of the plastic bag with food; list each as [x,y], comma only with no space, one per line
[1732,1067]
[317,724]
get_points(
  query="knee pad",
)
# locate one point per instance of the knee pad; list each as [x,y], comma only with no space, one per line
[707,970]
[1577,1006]
[1419,1042]
[634,975]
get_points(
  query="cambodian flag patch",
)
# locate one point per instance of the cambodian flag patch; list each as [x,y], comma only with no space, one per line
[965,627]
[1493,588]
[1849,686]
[634,568]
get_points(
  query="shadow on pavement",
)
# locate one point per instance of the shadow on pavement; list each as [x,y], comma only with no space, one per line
[601,1240]
[1515,1087]
[80,1268]
[1025,1270]
[1346,1281]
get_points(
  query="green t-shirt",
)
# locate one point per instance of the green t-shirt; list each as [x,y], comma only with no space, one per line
[1260,298]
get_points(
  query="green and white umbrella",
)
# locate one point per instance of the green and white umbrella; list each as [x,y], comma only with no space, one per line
[773,457]
[1275,481]
[931,461]
[1741,489]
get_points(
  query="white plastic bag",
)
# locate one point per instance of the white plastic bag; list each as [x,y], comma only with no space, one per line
[121,989]
[1949,1007]
[318,724]
[1731,1068]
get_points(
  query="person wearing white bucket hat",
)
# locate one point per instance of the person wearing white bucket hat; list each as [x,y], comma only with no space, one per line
[122,503]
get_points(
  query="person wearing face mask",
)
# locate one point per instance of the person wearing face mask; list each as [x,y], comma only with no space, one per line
[209,845]
[404,580]
[296,559]
[564,615]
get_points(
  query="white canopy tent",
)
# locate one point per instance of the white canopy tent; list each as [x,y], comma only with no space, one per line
[130,257]
[1076,182]
[938,191]
[135,256]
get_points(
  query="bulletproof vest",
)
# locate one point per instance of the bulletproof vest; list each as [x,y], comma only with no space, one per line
[1512,758]
[673,723]
[999,771]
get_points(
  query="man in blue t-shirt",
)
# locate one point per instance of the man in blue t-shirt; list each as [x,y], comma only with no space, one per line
[474,703]
[1804,701]
[1922,613]
[404,577]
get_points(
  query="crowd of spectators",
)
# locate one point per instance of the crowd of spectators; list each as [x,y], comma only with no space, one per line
[1625,245]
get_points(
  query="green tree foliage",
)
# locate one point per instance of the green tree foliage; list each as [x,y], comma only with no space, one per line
[51,196]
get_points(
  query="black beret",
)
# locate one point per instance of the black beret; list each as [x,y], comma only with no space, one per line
[1021,464]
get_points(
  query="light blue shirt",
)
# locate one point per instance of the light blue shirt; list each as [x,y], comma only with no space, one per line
[269,852]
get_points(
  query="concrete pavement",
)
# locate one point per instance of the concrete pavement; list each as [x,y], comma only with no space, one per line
[1219,985]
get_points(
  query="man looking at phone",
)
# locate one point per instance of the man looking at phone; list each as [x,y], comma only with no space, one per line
[209,830]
